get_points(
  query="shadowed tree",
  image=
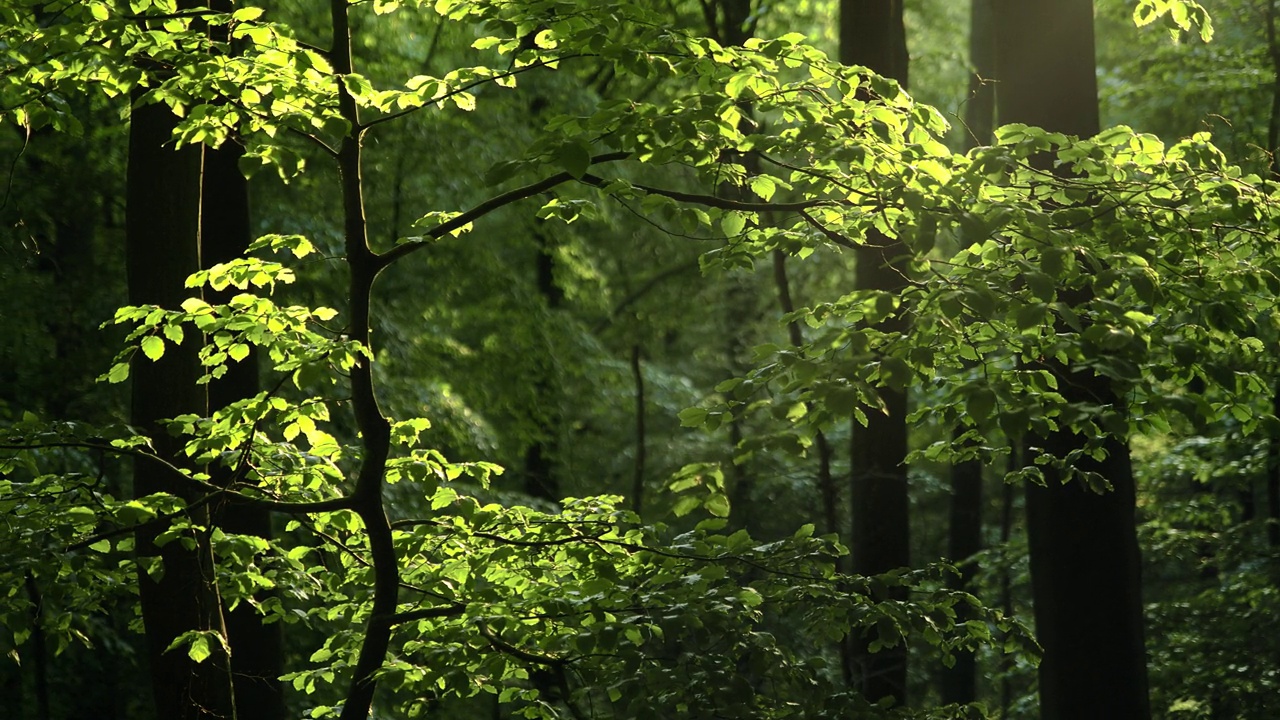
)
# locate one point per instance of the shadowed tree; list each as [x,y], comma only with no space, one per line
[1085,565]
[964,532]
[872,34]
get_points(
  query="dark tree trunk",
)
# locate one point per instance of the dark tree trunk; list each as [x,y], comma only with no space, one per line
[872,35]
[257,651]
[980,108]
[960,681]
[257,659]
[1085,563]
[539,469]
[162,248]
[637,480]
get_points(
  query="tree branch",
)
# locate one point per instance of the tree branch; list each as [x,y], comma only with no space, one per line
[290,508]
[461,89]
[486,207]
[439,611]
[713,201]
[830,234]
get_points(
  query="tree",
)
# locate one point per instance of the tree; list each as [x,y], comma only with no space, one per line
[872,35]
[964,539]
[1085,564]
[178,597]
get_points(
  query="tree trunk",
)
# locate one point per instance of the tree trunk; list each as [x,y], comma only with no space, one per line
[1085,563]
[1273,142]
[980,108]
[638,470]
[872,35]
[959,682]
[539,466]
[257,653]
[162,248]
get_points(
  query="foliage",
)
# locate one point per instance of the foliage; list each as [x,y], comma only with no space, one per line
[1146,263]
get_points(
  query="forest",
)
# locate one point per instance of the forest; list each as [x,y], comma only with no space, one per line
[609,359]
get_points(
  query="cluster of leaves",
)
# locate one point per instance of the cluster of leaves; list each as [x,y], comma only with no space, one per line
[1144,264]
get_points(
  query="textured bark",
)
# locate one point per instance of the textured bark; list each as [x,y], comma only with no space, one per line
[872,35]
[162,248]
[1085,564]
[964,539]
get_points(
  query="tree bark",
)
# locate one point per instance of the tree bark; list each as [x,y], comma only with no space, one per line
[1085,561]
[162,249]
[872,35]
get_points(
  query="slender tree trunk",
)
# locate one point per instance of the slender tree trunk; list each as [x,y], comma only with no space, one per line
[1273,143]
[39,648]
[637,480]
[1085,563]
[872,34]
[539,468]
[375,428]
[1008,494]
[826,483]
[731,22]
[162,248]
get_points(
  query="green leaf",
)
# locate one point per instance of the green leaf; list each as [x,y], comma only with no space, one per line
[685,505]
[895,372]
[764,186]
[1029,316]
[574,157]
[692,417]
[981,403]
[246,14]
[717,504]
[118,373]
[153,347]
[199,650]
[738,84]
[732,224]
